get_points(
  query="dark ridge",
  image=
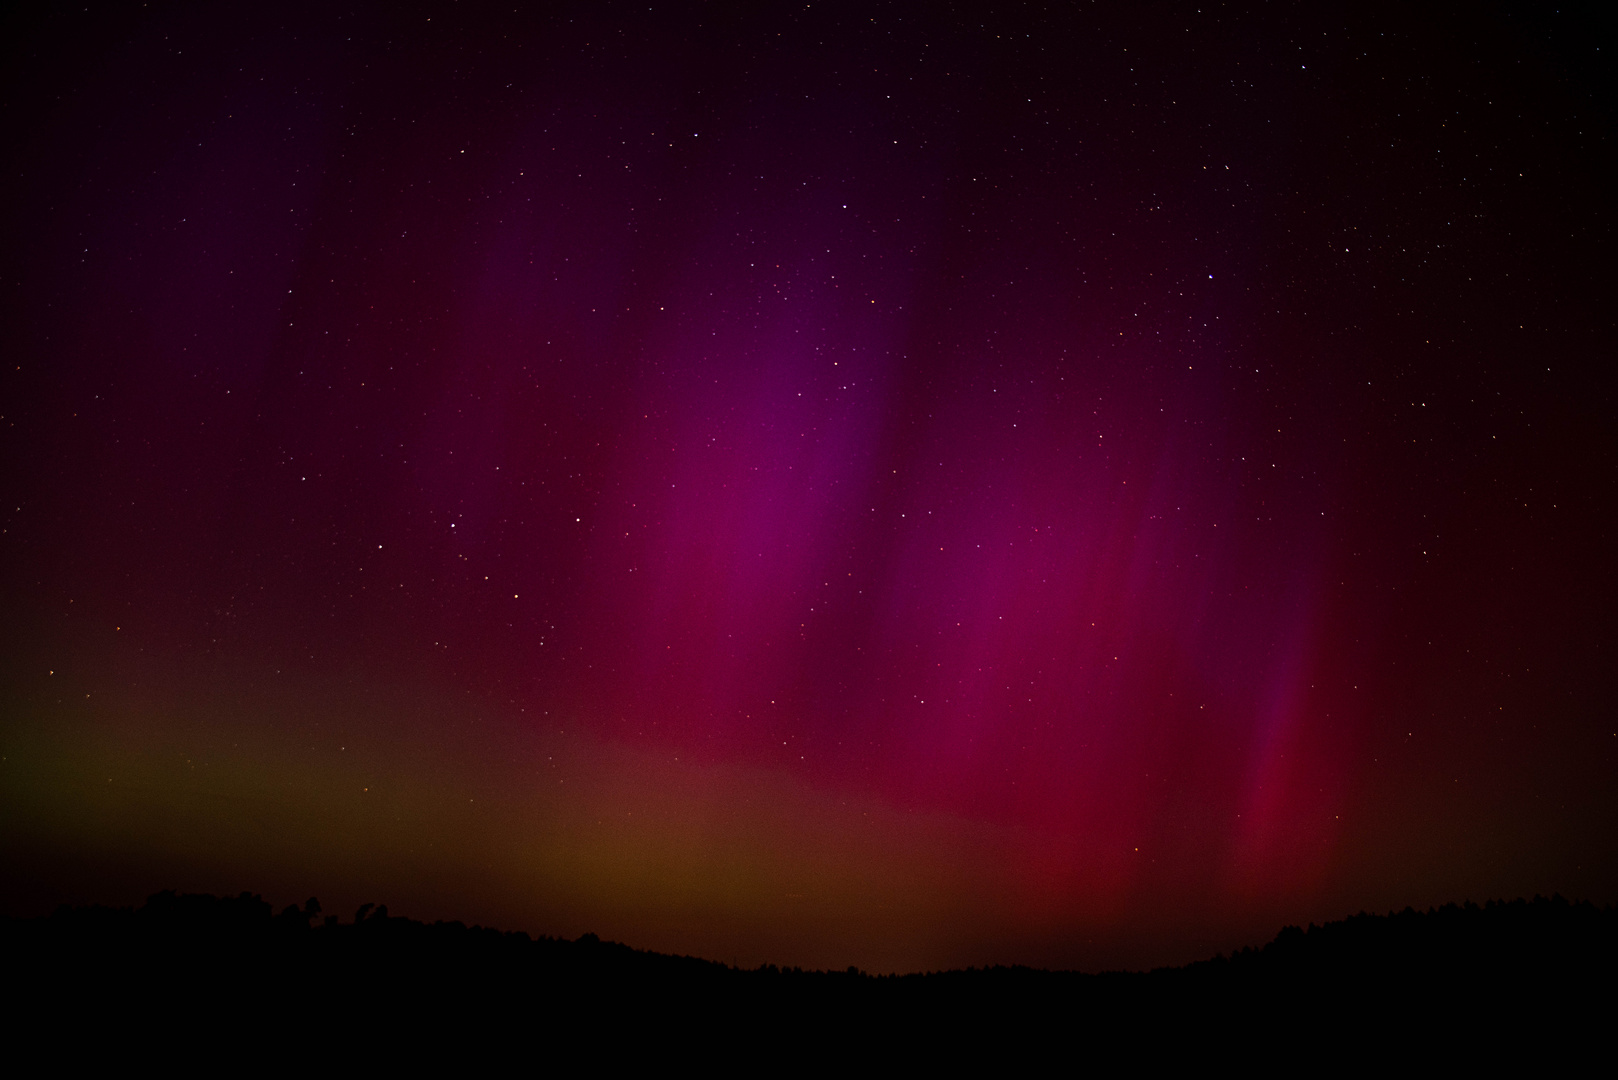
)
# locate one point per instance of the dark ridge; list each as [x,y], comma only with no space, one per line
[1507,972]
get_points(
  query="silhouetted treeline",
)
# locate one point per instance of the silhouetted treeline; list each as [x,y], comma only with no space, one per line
[1506,972]
[1456,942]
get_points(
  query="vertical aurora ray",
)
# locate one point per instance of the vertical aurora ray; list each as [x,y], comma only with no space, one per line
[800,488]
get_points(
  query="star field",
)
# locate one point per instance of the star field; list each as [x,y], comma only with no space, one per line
[822,485]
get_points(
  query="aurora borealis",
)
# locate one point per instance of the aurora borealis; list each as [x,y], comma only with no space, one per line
[816,484]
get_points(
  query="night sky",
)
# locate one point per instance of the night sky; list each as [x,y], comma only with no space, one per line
[1078,485]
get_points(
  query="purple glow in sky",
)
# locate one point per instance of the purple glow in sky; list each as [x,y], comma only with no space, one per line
[829,486]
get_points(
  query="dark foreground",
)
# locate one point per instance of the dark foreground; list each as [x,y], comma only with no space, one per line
[201,975]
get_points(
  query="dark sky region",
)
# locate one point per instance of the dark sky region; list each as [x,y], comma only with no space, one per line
[1070,484]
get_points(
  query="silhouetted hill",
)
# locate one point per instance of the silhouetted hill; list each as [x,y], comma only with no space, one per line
[203,967]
